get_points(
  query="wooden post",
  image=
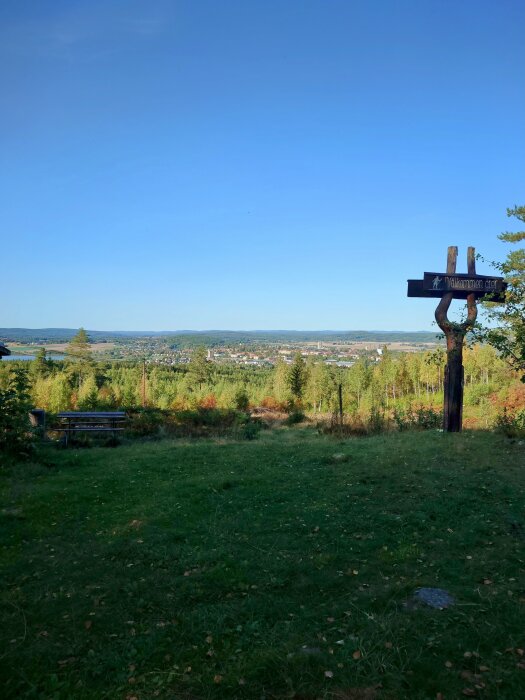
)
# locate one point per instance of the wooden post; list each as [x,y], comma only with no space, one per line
[340,392]
[144,383]
[455,335]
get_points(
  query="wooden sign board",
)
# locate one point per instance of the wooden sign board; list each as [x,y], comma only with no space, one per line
[460,285]
[479,284]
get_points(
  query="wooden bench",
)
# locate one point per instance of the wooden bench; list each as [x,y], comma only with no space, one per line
[90,421]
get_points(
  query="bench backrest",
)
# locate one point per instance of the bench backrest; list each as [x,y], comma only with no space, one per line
[93,414]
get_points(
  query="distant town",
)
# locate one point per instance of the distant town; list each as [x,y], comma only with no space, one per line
[257,349]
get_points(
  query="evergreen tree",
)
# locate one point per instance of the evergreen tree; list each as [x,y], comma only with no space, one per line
[15,432]
[508,337]
[297,376]
[41,366]
[78,354]
[78,349]
[200,368]
[241,399]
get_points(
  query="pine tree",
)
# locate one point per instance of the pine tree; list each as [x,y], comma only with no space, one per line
[40,366]
[508,337]
[297,376]
[15,433]
[78,349]
[78,354]
[241,399]
[200,369]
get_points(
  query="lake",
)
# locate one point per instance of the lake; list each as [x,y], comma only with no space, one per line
[31,357]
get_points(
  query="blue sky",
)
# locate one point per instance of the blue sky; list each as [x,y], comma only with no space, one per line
[251,164]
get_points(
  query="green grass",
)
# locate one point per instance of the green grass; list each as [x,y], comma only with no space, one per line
[216,569]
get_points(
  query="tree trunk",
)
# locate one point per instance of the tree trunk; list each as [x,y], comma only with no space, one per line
[453,407]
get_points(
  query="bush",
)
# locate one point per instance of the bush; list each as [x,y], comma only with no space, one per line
[513,397]
[16,436]
[420,418]
[511,424]
[475,395]
[376,421]
[201,422]
[295,417]
[145,422]
[209,402]
[354,425]
[241,400]
[251,429]
[273,405]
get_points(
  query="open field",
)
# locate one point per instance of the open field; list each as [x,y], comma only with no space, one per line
[360,346]
[276,568]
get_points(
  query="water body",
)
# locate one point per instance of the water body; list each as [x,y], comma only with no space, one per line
[30,357]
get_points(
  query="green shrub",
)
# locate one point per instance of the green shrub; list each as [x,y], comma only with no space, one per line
[353,425]
[475,395]
[16,435]
[511,424]
[296,416]
[241,400]
[251,429]
[200,422]
[146,422]
[377,422]
[420,418]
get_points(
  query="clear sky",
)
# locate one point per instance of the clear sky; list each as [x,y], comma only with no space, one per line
[251,164]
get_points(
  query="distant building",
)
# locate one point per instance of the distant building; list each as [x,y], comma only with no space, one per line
[4,351]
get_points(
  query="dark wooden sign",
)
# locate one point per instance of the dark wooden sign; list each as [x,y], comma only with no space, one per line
[479,284]
[435,284]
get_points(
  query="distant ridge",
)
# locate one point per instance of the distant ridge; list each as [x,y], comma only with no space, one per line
[220,337]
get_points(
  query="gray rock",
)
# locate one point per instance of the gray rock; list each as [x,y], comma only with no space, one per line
[437,598]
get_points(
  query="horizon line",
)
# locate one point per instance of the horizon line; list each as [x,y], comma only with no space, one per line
[219,330]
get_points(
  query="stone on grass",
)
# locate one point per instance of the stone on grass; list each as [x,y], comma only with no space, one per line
[437,598]
[310,651]
[339,457]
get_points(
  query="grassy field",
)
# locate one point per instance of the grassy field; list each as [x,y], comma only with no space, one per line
[278,568]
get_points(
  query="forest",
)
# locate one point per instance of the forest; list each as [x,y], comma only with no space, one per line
[397,382]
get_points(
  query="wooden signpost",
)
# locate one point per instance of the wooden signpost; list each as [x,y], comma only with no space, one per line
[447,286]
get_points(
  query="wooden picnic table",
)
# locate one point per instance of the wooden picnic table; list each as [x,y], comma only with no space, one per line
[90,421]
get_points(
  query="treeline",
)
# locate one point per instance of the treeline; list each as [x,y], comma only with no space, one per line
[216,337]
[395,380]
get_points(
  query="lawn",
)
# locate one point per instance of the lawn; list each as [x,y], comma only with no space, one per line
[276,568]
